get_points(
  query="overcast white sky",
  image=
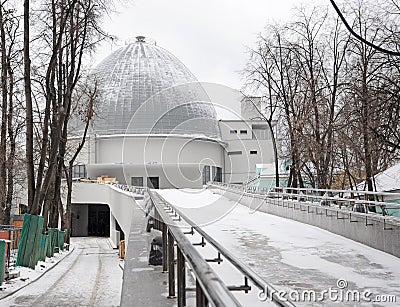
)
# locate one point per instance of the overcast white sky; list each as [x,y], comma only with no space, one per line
[208,36]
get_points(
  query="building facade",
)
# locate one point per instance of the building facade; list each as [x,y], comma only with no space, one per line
[156,126]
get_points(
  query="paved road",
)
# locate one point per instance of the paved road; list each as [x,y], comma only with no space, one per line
[89,276]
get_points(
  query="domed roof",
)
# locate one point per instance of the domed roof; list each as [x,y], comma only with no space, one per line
[147,90]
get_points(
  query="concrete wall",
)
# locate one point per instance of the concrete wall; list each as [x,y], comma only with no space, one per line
[170,175]
[177,160]
[121,203]
[154,149]
[382,233]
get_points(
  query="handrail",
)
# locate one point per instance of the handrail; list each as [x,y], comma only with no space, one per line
[265,287]
[343,191]
[352,201]
[242,187]
[214,289]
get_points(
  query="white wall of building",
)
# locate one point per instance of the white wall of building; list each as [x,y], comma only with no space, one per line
[168,150]
[170,175]
[178,161]
[248,143]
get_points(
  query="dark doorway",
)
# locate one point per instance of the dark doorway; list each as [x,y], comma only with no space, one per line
[99,221]
[153,182]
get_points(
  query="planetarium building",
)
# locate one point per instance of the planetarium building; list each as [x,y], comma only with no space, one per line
[155,126]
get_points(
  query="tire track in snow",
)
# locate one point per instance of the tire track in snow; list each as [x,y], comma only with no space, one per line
[40,299]
[96,286]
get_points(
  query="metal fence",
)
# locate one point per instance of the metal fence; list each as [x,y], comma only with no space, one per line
[354,200]
[206,290]
[210,289]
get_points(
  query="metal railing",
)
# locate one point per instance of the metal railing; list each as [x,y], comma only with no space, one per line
[360,201]
[267,291]
[124,187]
[210,289]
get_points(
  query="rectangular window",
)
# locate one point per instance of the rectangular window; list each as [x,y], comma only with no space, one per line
[79,171]
[137,181]
[206,174]
[261,132]
[253,152]
[218,176]
[243,131]
[233,131]
[233,153]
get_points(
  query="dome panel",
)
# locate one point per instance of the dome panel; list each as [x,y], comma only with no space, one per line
[145,89]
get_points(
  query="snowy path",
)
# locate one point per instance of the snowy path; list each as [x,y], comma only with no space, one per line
[289,254]
[89,276]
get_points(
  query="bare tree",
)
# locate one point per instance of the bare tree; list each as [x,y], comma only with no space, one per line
[86,110]
[338,96]
[10,59]
[68,31]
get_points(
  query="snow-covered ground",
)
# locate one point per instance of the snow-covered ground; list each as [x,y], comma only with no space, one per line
[292,256]
[89,276]
[27,275]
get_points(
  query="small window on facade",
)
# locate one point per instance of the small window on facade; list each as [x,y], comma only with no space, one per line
[206,174]
[233,131]
[137,181]
[243,131]
[253,152]
[79,171]
[232,153]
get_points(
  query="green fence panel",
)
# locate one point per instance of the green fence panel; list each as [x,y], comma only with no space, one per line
[55,240]
[23,238]
[47,242]
[30,241]
[36,235]
[48,247]
[2,260]
[41,242]
[61,238]
[50,244]
[43,247]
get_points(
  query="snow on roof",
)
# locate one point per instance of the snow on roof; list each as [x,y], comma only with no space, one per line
[388,180]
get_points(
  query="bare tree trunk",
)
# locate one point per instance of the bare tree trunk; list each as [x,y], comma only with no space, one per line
[11,156]
[30,170]
[3,133]
[68,172]
[275,149]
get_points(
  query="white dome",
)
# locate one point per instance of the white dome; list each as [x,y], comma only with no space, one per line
[147,90]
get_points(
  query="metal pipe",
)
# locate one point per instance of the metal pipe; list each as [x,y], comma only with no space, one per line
[212,286]
[171,266]
[181,272]
[201,299]
[247,271]
[164,245]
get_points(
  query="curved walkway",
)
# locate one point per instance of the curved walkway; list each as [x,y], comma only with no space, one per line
[90,276]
